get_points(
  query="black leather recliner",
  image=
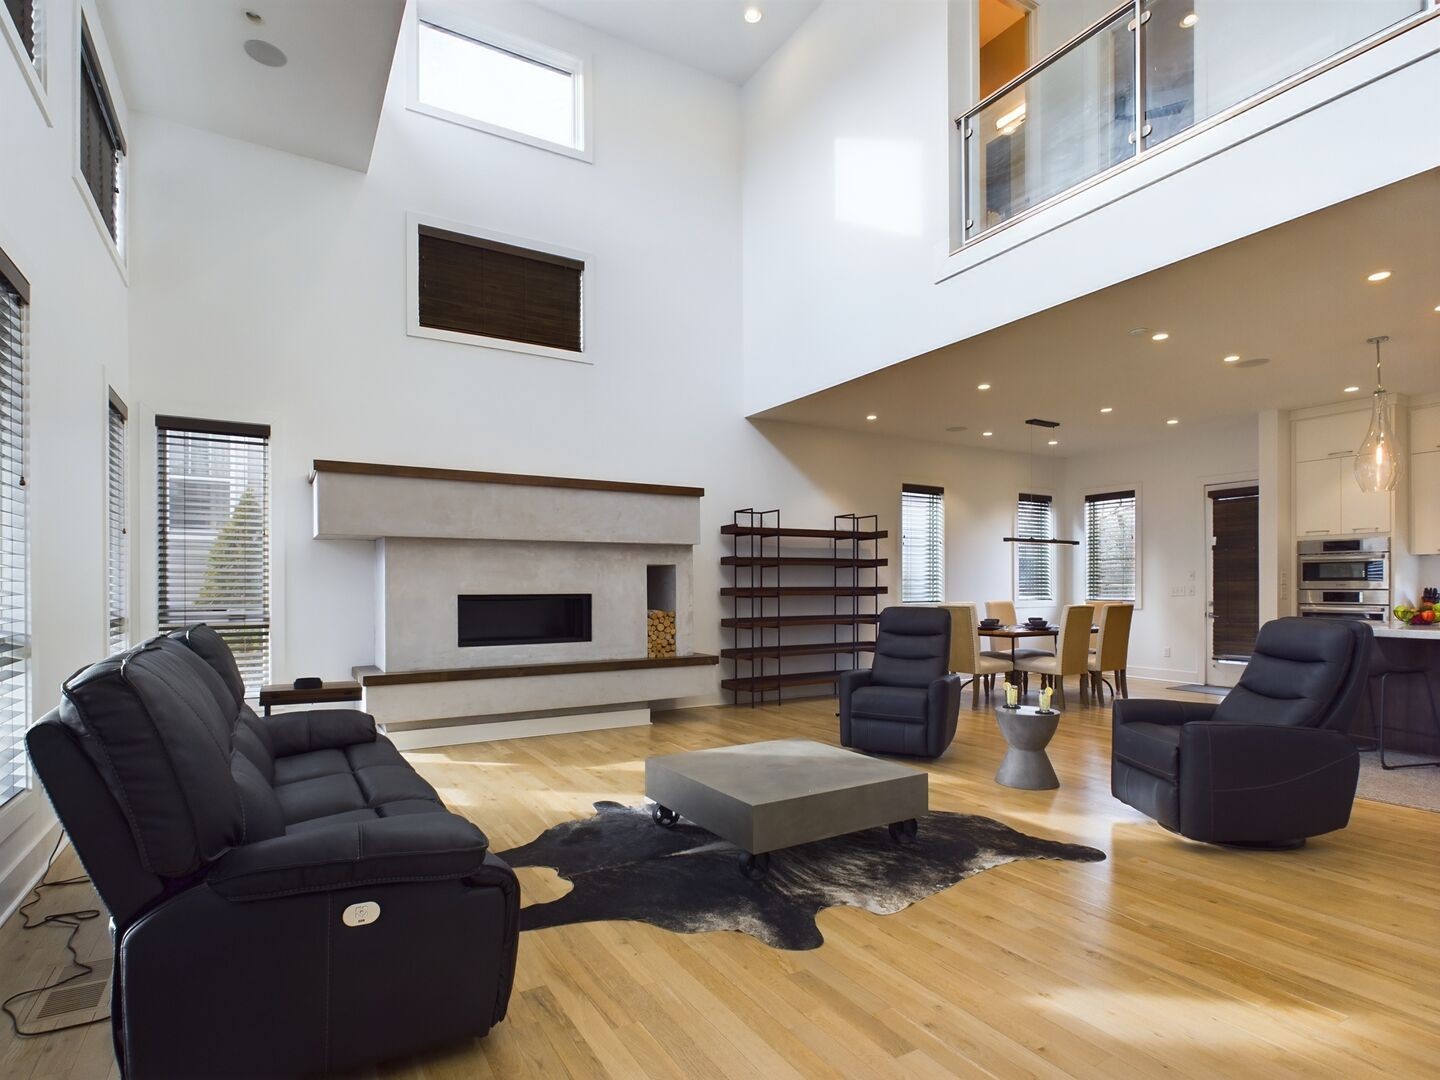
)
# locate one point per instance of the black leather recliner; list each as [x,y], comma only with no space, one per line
[1268,766]
[906,702]
[232,851]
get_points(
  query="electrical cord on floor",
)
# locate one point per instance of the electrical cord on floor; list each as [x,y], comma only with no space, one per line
[74,920]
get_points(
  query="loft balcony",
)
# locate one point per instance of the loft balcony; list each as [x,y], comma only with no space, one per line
[1070,120]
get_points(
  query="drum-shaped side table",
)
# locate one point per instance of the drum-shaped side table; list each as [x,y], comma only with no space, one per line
[1027,732]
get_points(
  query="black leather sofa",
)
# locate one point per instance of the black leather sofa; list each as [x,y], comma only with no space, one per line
[906,701]
[1271,764]
[232,852]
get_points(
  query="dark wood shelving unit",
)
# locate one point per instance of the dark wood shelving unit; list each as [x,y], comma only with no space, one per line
[765,630]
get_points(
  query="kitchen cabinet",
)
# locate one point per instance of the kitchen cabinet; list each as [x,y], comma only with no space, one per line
[1425,502]
[1328,501]
[1425,429]
[1334,436]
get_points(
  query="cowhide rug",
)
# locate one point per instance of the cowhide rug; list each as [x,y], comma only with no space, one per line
[684,879]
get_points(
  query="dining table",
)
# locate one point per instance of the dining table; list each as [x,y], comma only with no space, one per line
[1017,633]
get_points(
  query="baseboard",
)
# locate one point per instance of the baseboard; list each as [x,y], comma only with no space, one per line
[1165,675]
[28,863]
[460,732]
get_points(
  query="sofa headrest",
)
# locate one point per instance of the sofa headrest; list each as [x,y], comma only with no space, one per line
[158,723]
[205,643]
[1302,673]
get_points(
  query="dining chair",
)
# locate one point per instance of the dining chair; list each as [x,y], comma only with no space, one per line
[966,656]
[1004,610]
[1113,652]
[1099,606]
[1071,655]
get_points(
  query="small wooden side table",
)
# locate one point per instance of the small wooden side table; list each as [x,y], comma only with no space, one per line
[285,694]
[1027,731]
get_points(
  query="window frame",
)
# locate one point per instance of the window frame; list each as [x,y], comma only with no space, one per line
[451,19]
[34,68]
[1052,550]
[1084,589]
[413,327]
[20,286]
[99,61]
[938,494]
[115,406]
[163,476]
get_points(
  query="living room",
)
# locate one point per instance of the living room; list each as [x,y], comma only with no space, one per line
[226,232]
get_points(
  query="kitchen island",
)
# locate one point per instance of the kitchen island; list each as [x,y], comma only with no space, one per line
[1410,724]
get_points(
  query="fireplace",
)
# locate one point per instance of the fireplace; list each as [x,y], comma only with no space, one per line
[523,619]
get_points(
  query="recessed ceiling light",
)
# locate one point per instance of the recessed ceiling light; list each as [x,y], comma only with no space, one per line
[1232,358]
[753,14]
[1172,421]
[983,386]
[872,416]
[1107,409]
[1352,389]
[1189,20]
[1379,275]
[1054,442]
[262,52]
[987,434]
[1159,335]
[1437,307]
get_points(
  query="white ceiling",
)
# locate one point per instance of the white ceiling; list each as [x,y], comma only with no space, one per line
[185,60]
[711,35]
[1296,294]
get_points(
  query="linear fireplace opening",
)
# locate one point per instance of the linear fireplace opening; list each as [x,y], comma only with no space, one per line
[523,619]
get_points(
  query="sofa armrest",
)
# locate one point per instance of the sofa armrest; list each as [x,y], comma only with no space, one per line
[317,729]
[1159,711]
[409,847]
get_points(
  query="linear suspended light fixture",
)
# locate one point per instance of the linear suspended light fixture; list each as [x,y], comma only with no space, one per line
[1048,425]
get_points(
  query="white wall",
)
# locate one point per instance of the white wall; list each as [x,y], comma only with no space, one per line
[77,344]
[271,288]
[1170,480]
[848,141]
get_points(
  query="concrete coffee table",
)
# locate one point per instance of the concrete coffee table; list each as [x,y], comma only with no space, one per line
[765,796]
[1027,731]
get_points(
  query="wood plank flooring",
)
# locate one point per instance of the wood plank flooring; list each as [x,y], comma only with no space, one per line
[1168,959]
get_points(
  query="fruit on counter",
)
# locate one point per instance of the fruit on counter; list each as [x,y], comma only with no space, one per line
[1404,613]
[1427,617]
[1410,616]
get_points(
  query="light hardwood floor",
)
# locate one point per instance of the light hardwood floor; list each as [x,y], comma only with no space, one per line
[1169,958]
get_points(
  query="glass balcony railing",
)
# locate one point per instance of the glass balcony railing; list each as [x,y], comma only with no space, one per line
[1072,117]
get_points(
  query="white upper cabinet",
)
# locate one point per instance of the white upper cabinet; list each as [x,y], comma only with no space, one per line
[1317,497]
[1334,436]
[1425,429]
[1425,502]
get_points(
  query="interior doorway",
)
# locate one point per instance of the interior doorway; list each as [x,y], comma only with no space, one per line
[1232,587]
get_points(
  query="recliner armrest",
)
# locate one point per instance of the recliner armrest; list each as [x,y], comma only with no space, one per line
[317,729]
[1159,711]
[850,681]
[409,847]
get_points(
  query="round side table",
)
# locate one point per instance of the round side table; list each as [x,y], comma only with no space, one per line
[1027,732]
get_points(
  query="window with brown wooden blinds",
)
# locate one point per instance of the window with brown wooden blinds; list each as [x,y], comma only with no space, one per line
[1235,571]
[214,534]
[117,540]
[102,146]
[470,285]
[22,14]
[14,543]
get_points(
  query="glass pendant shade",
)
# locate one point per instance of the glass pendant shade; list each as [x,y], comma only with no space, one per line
[1377,464]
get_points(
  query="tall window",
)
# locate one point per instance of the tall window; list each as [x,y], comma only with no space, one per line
[1034,563]
[117,540]
[14,541]
[214,530]
[102,146]
[922,544]
[518,90]
[23,16]
[1110,562]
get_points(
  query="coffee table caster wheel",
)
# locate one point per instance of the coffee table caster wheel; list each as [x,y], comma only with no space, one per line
[903,832]
[754,867]
[664,816]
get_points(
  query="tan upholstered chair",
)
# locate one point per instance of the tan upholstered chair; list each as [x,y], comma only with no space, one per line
[1004,610]
[966,656]
[1113,652]
[1071,656]
[1099,606]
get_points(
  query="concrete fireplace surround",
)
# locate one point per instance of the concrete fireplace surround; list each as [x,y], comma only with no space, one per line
[441,533]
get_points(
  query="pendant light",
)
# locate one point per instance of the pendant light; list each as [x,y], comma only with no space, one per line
[1377,464]
[1047,425]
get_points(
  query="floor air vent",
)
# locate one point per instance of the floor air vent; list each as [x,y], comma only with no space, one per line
[87,998]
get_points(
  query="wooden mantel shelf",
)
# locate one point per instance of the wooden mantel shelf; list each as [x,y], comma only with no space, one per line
[419,472]
[370,676]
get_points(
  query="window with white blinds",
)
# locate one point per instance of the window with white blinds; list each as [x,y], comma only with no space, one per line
[117,539]
[1034,563]
[1110,562]
[922,544]
[14,542]
[214,531]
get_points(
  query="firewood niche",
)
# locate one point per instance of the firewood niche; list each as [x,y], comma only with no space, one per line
[782,581]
